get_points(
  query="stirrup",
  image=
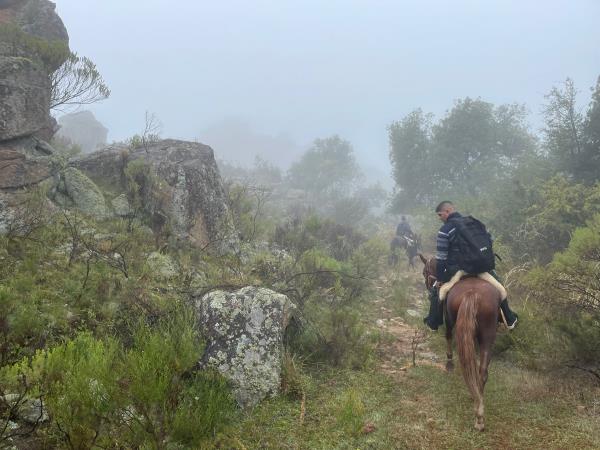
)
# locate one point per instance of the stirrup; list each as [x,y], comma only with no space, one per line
[514,324]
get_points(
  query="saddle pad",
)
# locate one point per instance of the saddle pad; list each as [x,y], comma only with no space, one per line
[461,273]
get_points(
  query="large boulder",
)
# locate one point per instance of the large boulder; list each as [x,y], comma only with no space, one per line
[191,188]
[83,129]
[25,93]
[24,163]
[38,18]
[30,410]
[33,43]
[75,189]
[244,334]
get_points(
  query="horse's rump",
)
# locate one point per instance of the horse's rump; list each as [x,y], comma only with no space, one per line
[461,274]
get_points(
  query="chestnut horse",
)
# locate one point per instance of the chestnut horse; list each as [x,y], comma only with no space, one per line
[472,308]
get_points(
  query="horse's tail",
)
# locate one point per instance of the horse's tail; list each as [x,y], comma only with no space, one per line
[466,329]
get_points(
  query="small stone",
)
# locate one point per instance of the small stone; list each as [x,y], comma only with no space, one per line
[369,428]
[412,313]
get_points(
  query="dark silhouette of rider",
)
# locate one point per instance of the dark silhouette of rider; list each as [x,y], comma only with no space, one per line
[403,228]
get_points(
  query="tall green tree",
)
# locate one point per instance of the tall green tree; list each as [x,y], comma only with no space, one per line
[471,149]
[410,156]
[590,169]
[334,183]
[563,131]
[477,144]
[327,169]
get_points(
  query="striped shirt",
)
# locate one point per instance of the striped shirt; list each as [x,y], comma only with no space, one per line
[445,237]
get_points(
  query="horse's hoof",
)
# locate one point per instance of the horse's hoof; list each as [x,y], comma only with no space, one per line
[479,426]
[449,366]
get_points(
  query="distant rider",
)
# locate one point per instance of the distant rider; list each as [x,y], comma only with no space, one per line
[403,229]
[447,265]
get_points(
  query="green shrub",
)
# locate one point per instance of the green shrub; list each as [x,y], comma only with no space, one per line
[292,383]
[298,236]
[329,294]
[351,412]
[560,207]
[167,401]
[248,207]
[146,395]
[566,293]
[205,405]
[78,382]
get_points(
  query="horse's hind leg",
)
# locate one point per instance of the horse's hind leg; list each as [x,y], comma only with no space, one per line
[479,421]
[485,355]
[483,372]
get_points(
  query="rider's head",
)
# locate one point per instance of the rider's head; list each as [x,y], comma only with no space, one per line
[444,209]
[403,218]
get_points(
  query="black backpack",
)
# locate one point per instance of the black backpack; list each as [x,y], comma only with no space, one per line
[474,245]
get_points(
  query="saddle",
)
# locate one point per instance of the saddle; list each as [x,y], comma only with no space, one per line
[462,274]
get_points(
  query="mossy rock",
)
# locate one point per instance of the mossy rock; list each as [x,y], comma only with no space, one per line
[121,206]
[161,266]
[86,196]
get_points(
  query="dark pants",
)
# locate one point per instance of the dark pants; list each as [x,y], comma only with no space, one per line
[435,318]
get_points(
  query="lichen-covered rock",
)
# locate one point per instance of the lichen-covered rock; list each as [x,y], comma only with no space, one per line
[244,333]
[29,410]
[23,164]
[33,43]
[192,189]
[7,213]
[161,266]
[25,94]
[121,206]
[84,194]
[38,18]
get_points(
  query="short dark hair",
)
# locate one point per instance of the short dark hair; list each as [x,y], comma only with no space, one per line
[442,205]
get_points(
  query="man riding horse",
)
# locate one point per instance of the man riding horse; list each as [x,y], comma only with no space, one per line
[406,239]
[403,229]
[448,263]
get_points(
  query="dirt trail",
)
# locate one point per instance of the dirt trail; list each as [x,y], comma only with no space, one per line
[405,337]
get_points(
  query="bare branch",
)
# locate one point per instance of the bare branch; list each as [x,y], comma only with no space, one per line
[77,82]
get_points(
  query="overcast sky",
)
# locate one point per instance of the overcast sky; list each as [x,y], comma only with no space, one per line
[298,70]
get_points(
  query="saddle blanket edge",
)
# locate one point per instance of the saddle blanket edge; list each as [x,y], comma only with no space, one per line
[461,273]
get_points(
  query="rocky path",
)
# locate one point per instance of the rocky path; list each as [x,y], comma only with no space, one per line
[405,339]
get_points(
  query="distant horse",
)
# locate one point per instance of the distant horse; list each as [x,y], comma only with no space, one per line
[411,244]
[472,305]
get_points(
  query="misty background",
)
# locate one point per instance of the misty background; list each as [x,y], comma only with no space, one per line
[269,77]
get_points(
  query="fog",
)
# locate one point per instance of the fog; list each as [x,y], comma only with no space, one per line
[271,76]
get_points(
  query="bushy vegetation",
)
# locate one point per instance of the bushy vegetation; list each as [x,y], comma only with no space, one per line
[538,196]
[108,346]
